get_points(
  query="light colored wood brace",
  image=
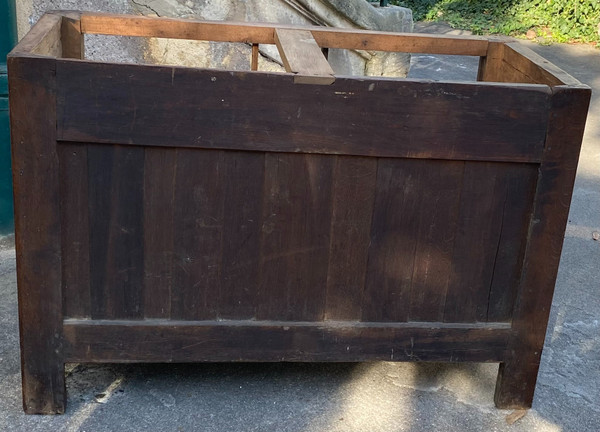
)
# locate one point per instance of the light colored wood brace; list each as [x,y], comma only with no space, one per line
[302,56]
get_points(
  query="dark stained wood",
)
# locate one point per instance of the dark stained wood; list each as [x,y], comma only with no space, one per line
[75,240]
[482,201]
[176,214]
[353,198]
[116,180]
[516,214]
[184,341]
[438,204]
[394,229]
[160,166]
[295,236]
[37,232]
[518,373]
[243,176]
[100,161]
[117,108]
[198,230]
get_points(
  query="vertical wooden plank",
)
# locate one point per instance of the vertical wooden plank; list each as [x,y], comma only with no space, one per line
[100,172]
[116,179]
[254,61]
[71,36]
[518,373]
[242,218]
[481,68]
[198,210]
[393,240]
[353,199]
[516,215]
[44,38]
[295,236]
[159,192]
[75,230]
[37,232]
[482,202]
[491,66]
[439,197]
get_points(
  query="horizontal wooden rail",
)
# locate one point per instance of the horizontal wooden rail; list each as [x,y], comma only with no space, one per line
[57,34]
[127,25]
[233,114]
[534,66]
[185,341]
[511,62]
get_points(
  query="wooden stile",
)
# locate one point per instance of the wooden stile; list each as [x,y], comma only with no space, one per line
[171,214]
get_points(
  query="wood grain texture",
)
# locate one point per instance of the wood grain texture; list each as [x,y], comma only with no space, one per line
[521,182]
[36,187]
[160,166]
[482,202]
[177,341]
[488,249]
[243,177]
[518,373]
[198,230]
[43,39]
[116,179]
[353,198]
[412,237]
[303,57]
[295,236]
[371,219]
[394,230]
[327,37]
[514,63]
[75,237]
[71,38]
[536,68]
[254,59]
[439,199]
[117,108]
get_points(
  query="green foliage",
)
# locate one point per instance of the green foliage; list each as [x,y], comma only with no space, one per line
[558,20]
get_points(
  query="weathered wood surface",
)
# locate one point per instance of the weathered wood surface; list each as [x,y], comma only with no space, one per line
[518,373]
[177,341]
[75,229]
[302,56]
[233,113]
[514,63]
[254,59]
[36,183]
[326,37]
[71,37]
[211,234]
[43,39]
[371,219]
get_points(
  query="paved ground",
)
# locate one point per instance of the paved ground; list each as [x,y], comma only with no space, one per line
[354,397]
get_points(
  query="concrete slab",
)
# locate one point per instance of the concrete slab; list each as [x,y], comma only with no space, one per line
[362,397]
